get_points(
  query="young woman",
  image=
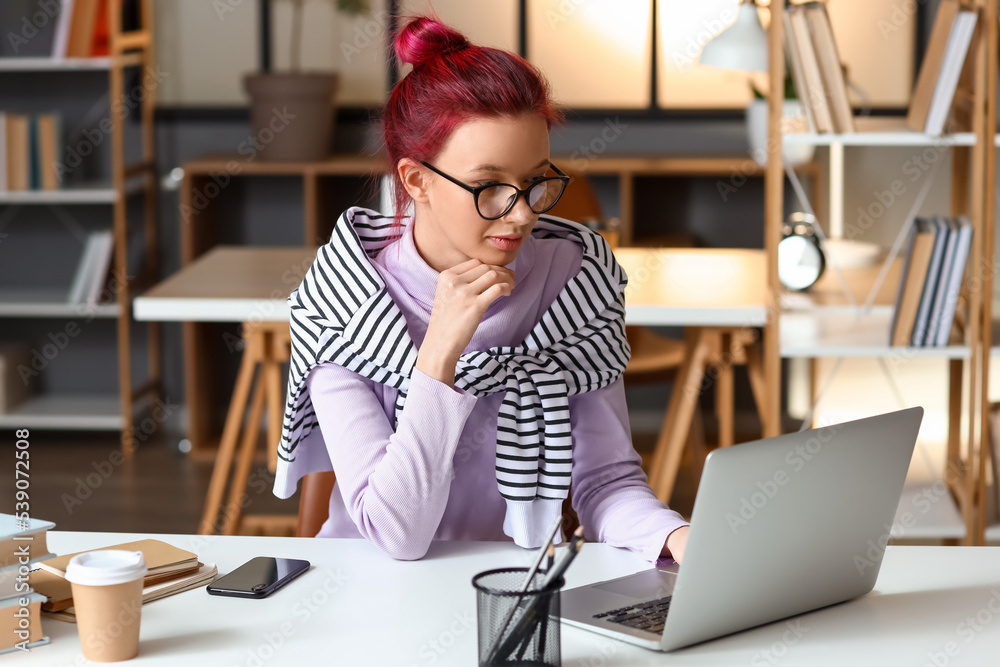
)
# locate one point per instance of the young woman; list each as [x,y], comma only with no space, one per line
[463,364]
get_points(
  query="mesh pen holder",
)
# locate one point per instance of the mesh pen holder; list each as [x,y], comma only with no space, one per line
[531,637]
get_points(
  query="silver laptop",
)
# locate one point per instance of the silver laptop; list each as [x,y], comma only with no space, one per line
[780,527]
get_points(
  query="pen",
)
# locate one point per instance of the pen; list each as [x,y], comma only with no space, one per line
[527,584]
[524,628]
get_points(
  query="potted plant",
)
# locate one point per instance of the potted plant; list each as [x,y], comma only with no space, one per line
[292,112]
[793,119]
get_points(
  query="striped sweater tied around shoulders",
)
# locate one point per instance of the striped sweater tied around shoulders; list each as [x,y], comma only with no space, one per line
[342,313]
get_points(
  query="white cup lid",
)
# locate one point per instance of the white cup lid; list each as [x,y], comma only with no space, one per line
[106,568]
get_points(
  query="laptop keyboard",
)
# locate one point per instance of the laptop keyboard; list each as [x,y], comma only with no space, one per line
[649,616]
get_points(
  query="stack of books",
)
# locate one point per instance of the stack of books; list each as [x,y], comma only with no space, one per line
[947,48]
[18,536]
[30,146]
[171,570]
[933,266]
[816,70]
[93,269]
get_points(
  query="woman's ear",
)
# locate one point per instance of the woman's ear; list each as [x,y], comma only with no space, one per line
[414,178]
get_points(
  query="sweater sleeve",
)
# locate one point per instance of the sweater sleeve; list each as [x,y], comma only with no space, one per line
[610,493]
[395,483]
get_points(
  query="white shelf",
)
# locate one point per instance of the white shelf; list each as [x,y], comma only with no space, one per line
[48,302]
[879,131]
[833,333]
[66,412]
[94,193]
[41,64]
[799,303]
[933,513]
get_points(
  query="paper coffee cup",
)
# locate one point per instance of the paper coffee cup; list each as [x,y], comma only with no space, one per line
[107,597]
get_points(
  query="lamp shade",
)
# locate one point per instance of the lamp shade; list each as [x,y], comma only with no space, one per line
[742,46]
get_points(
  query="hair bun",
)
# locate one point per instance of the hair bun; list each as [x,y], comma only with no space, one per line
[424,38]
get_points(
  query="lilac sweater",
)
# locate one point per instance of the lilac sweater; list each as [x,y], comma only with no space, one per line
[431,476]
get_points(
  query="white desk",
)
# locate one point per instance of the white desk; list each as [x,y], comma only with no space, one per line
[667,287]
[695,287]
[920,605]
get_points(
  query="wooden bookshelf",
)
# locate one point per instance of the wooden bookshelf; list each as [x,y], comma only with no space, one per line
[129,49]
[824,333]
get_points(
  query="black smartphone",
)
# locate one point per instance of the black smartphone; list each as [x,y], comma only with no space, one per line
[258,577]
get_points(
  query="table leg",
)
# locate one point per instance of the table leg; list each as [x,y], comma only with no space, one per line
[275,398]
[724,389]
[755,370]
[677,422]
[234,419]
[251,434]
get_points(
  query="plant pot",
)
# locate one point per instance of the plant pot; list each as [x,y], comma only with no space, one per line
[292,114]
[793,119]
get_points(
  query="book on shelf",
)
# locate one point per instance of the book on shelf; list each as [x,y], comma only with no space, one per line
[100,44]
[933,266]
[939,228]
[30,145]
[797,74]
[3,151]
[60,40]
[18,536]
[830,68]
[811,92]
[916,263]
[103,252]
[49,149]
[18,155]
[952,279]
[83,22]
[92,269]
[816,70]
[947,49]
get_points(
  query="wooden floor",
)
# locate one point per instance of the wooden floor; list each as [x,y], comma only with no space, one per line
[76,484]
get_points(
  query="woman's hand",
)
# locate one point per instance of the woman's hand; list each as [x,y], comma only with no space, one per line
[675,544]
[463,294]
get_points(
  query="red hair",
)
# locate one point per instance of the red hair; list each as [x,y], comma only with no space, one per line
[453,81]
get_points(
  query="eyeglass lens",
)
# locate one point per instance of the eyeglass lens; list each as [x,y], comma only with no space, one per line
[495,200]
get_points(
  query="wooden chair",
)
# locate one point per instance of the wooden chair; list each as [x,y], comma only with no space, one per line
[314,503]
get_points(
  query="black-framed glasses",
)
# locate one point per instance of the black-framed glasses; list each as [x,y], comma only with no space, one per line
[495,200]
